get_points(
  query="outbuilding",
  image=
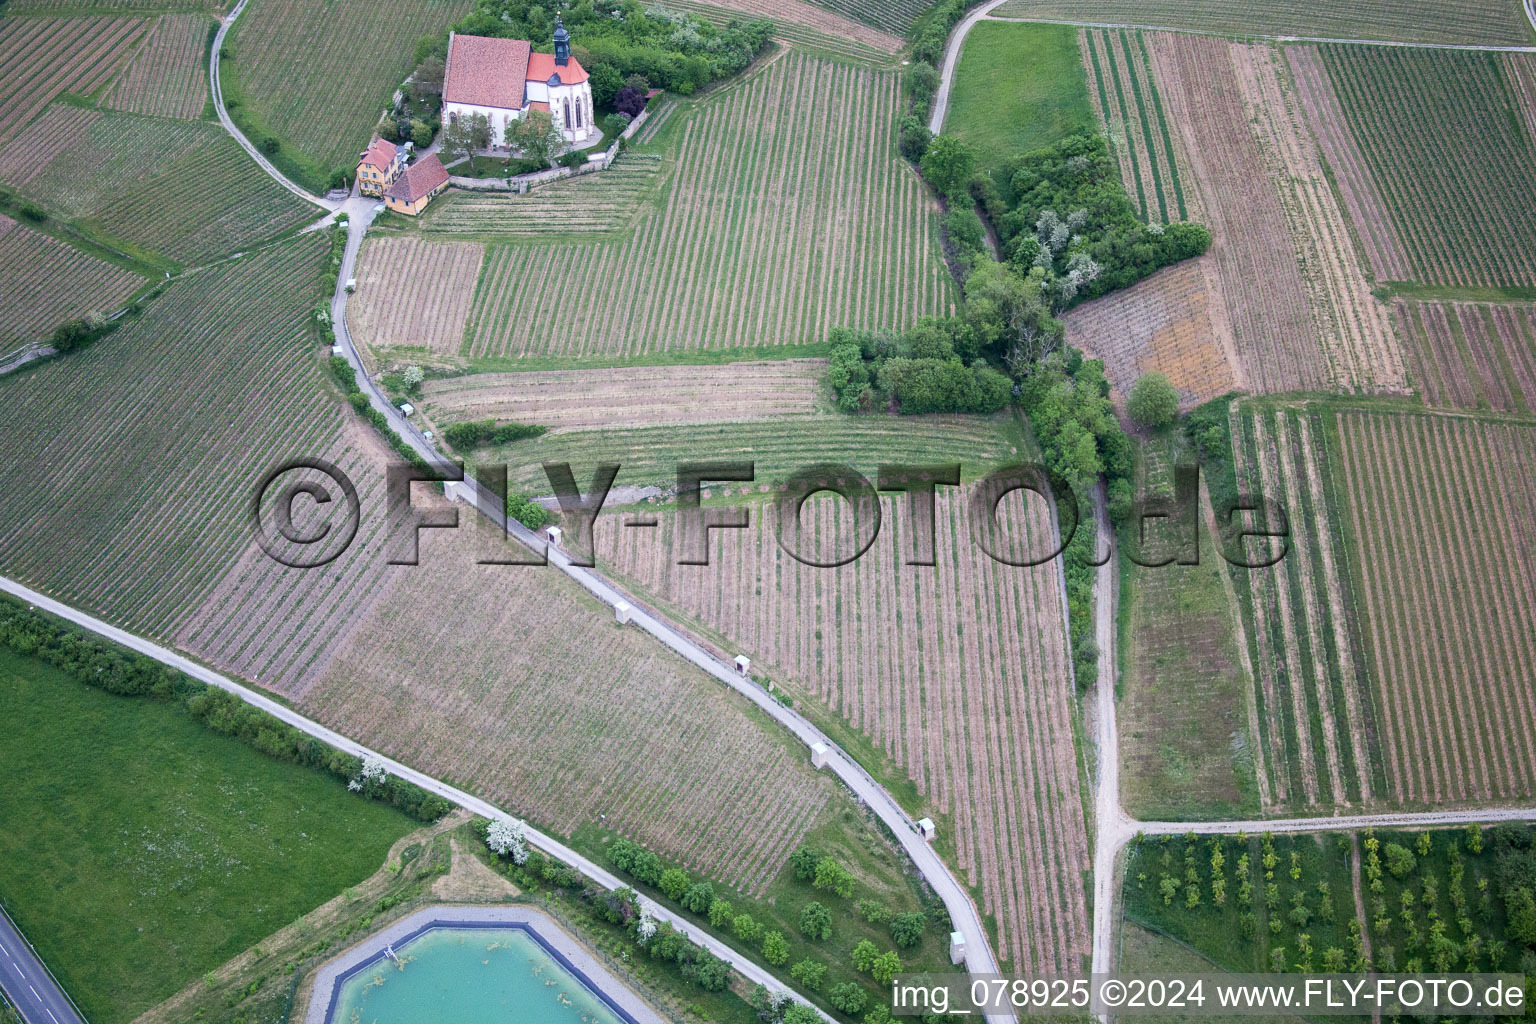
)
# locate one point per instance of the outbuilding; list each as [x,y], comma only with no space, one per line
[416,186]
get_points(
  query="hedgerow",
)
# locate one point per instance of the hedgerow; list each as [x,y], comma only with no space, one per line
[104,665]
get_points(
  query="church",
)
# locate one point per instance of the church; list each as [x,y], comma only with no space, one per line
[504,79]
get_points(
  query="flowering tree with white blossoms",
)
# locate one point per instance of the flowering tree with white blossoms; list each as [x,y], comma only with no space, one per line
[645,928]
[506,838]
[373,769]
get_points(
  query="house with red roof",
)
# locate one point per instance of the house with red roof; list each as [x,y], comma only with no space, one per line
[416,186]
[379,166]
[504,80]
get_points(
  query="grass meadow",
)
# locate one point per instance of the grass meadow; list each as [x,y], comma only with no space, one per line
[1038,109]
[139,850]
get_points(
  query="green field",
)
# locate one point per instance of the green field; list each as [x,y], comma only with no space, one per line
[1186,751]
[181,188]
[317,74]
[1448,151]
[649,456]
[1456,21]
[1018,87]
[138,849]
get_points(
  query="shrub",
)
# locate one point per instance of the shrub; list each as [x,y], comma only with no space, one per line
[532,515]
[885,967]
[830,875]
[574,159]
[746,928]
[482,433]
[629,100]
[1400,860]
[804,861]
[776,949]
[809,973]
[614,124]
[698,898]
[914,139]
[849,997]
[271,145]
[864,955]
[816,921]
[674,882]
[720,913]
[907,929]
[1153,402]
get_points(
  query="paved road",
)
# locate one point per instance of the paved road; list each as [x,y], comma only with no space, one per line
[229,125]
[553,847]
[957,900]
[27,983]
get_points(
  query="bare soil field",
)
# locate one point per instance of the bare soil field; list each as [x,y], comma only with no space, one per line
[572,716]
[1316,714]
[1520,71]
[46,282]
[1253,249]
[168,74]
[827,24]
[1172,323]
[43,57]
[1367,209]
[820,215]
[959,673]
[629,397]
[1467,355]
[1456,21]
[413,293]
[1446,622]
[1354,327]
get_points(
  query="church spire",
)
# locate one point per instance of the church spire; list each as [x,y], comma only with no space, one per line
[562,43]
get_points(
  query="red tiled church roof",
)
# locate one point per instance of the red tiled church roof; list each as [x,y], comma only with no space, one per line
[485,71]
[542,66]
[418,179]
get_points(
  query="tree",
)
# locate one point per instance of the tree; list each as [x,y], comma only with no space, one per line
[832,875]
[810,973]
[947,164]
[629,100]
[71,334]
[1154,402]
[710,972]
[1400,860]
[506,839]
[459,139]
[673,882]
[421,133]
[907,929]
[799,1013]
[699,897]
[816,921]
[804,861]
[776,949]
[849,997]
[645,928]
[535,516]
[1521,908]
[746,928]
[536,137]
[720,913]
[427,79]
[864,955]
[886,966]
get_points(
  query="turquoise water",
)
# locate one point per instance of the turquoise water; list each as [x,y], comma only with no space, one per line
[470,976]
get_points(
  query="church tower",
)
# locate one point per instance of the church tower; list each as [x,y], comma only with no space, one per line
[562,44]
